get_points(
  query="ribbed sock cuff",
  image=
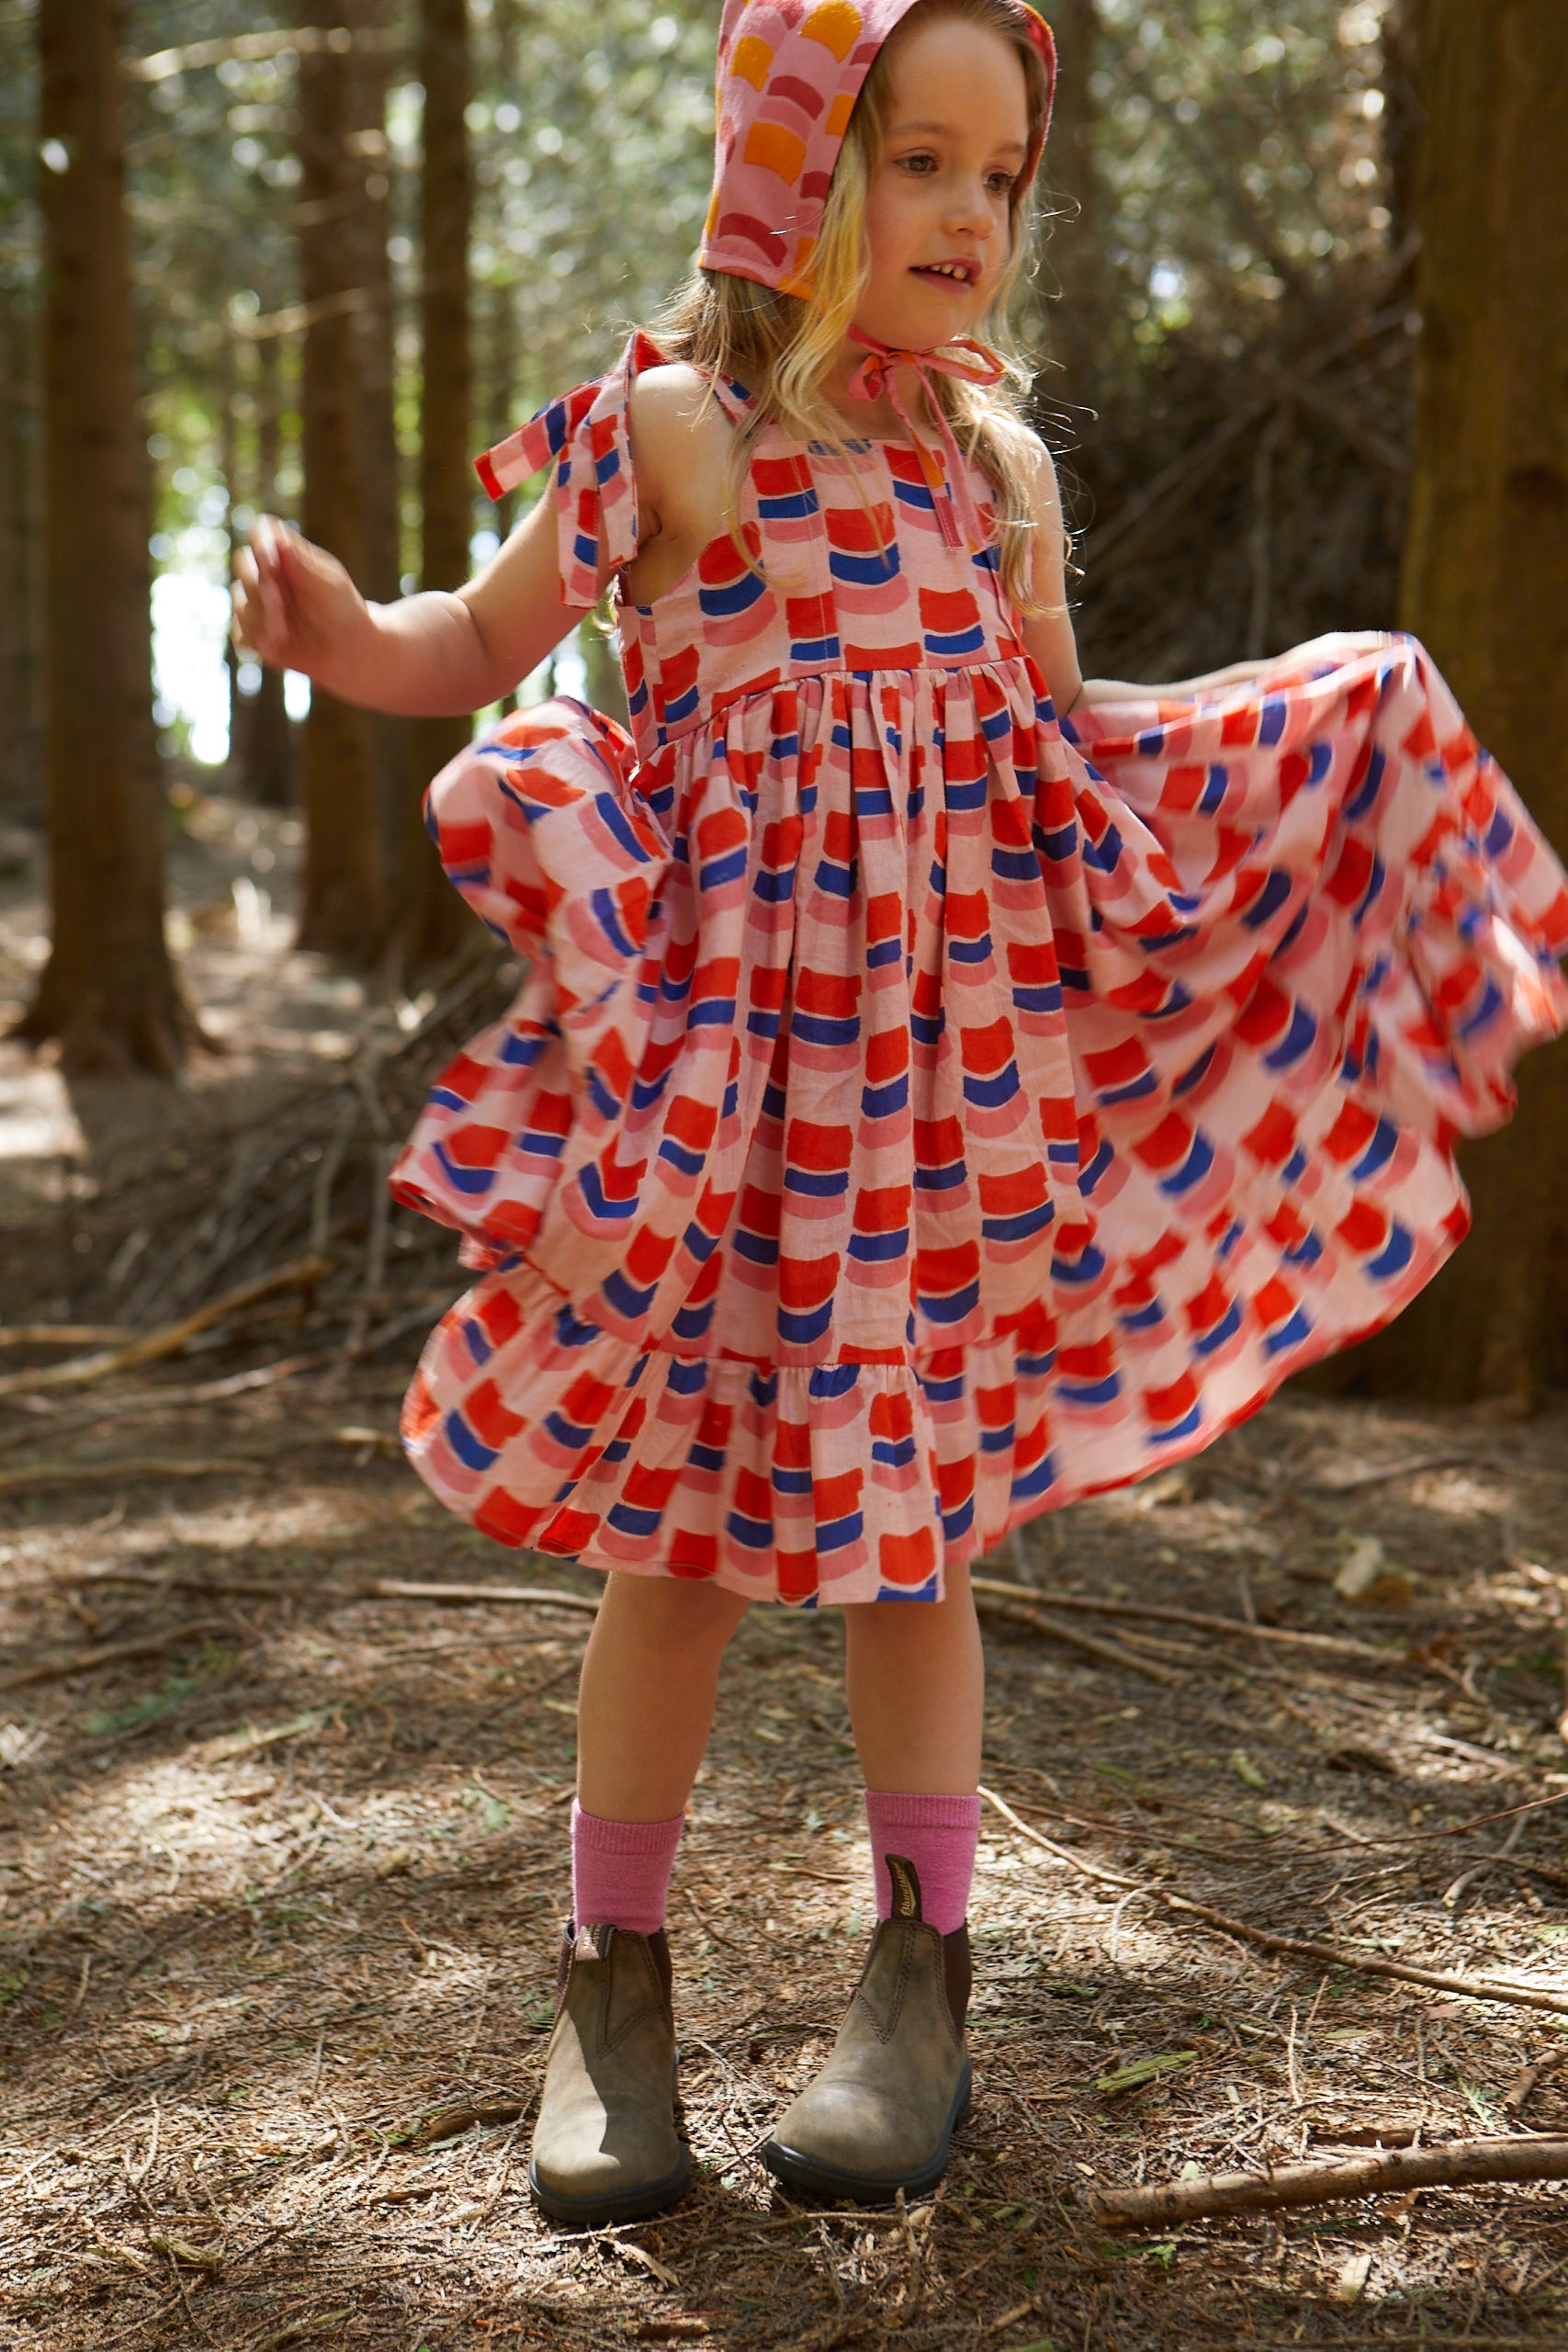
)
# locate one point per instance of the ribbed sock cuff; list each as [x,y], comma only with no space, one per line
[938,1834]
[895,1809]
[620,1870]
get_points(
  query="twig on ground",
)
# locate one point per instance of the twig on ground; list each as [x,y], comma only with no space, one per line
[57,1670]
[1528,2080]
[536,1595]
[1454,1894]
[1467,2165]
[452,2120]
[999,1600]
[298,2330]
[186,1580]
[96,1474]
[1406,1468]
[63,1335]
[1476,1988]
[303,1275]
[156,1400]
[1236,1628]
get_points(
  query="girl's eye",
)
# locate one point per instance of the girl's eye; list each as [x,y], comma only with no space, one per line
[1001,183]
[919,162]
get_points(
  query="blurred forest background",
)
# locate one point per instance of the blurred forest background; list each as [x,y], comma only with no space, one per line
[1301,305]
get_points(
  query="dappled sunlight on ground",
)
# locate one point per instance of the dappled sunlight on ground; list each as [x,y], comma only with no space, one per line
[281,1884]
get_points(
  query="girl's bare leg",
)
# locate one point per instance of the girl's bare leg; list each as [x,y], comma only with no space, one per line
[915,1679]
[646,1700]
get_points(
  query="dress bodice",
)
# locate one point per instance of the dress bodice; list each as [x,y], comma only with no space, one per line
[849,567]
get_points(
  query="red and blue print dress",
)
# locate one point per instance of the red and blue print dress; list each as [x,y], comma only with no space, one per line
[919,1112]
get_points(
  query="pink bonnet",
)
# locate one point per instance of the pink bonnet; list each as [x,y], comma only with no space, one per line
[789,72]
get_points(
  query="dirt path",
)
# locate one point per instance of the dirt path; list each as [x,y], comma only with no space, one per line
[280,1891]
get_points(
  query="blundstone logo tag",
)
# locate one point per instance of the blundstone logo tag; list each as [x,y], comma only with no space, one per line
[905,1887]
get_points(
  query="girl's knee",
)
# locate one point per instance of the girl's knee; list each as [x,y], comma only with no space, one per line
[674,1609]
[912,1623]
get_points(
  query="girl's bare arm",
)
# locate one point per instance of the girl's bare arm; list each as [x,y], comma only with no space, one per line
[436,654]
[1049,638]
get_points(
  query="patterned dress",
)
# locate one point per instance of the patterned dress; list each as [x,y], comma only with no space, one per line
[919,1112]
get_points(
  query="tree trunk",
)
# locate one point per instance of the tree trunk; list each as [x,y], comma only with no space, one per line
[432,921]
[502,362]
[1485,584]
[500,356]
[21,793]
[229,467]
[108,992]
[343,908]
[373,332]
[264,754]
[1072,322]
[1402,115]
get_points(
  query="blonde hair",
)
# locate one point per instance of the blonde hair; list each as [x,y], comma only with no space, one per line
[781,347]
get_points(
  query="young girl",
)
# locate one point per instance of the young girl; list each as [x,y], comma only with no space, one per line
[943,1088]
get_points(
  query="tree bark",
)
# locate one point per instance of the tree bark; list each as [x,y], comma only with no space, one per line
[1402,115]
[1485,584]
[432,921]
[373,333]
[1073,321]
[263,751]
[21,792]
[228,402]
[501,351]
[343,908]
[109,993]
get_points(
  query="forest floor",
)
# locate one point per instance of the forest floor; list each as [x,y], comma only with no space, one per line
[283,1860]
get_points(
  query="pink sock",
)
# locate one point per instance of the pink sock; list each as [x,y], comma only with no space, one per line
[620,1870]
[938,1834]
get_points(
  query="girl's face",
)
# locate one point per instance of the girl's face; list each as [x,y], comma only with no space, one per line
[955,141]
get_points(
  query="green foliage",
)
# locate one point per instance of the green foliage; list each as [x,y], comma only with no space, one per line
[1238,142]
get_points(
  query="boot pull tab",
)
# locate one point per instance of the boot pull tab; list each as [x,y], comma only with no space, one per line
[906,1880]
[585,1947]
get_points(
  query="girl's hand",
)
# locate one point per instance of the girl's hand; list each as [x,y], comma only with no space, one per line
[295,606]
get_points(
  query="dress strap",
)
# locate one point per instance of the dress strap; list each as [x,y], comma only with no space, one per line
[733,398]
[585,436]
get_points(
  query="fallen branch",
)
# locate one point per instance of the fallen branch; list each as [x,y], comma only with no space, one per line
[197,1581]
[57,1670]
[95,1474]
[451,2121]
[539,1596]
[304,1274]
[999,1600]
[1475,1988]
[195,2258]
[1158,1612]
[334,1595]
[1462,2167]
[1528,2080]
[157,1400]
[62,1335]
[1406,1467]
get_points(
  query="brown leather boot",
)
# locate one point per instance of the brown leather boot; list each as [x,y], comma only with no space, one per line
[606,2145]
[881,2115]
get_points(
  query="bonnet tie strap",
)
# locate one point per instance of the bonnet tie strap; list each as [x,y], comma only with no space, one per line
[971,363]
